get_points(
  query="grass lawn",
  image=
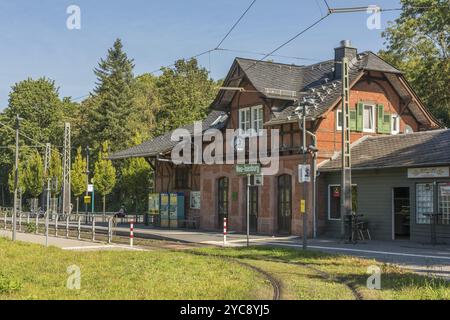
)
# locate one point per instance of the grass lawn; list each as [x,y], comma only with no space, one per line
[29,271]
[300,273]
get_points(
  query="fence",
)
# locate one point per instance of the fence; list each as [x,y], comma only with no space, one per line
[73,224]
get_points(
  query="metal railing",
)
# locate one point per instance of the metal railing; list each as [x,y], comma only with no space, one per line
[73,224]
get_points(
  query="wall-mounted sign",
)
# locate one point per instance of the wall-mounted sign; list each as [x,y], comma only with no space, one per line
[432,172]
[195,199]
[248,168]
[302,206]
[258,180]
[304,173]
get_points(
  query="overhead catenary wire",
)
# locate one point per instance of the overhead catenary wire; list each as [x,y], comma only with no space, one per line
[316,22]
[263,54]
[235,24]
[25,135]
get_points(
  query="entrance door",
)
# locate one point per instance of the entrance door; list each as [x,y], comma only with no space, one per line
[222,200]
[253,208]
[402,213]
[284,204]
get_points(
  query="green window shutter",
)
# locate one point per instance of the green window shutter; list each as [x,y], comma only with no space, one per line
[353,120]
[387,123]
[380,118]
[359,117]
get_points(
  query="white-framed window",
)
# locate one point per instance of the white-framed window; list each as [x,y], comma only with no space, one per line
[444,202]
[424,202]
[369,118]
[339,120]
[334,200]
[244,121]
[395,124]
[251,121]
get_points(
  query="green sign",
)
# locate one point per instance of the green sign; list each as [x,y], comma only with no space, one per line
[248,168]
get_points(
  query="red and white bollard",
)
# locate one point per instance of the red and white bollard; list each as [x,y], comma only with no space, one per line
[131,233]
[224,231]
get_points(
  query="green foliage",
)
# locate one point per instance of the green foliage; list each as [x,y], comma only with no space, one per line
[30,227]
[55,172]
[104,173]
[8,285]
[38,103]
[136,177]
[145,103]
[34,174]
[113,101]
[418,44]
[185,92]
[21,182]
[78,174]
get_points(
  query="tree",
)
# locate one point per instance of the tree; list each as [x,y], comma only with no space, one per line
[136,176]
[113,99]
[104,174]
[185,94]
[418,44]
[34,174]
[20,182]
[145,105]
[38,103]
[55,173]
[78,176]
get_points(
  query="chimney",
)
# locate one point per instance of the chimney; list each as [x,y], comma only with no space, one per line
[344,50]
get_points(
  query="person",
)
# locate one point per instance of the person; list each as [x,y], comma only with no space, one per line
[122,211]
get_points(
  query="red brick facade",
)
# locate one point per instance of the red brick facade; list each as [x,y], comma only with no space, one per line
[204,178]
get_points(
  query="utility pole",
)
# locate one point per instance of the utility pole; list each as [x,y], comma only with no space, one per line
[16,177]
[47,159]
[248,209]
[346,175]
[66,170]
[87,182]
[48,152]
[305,160]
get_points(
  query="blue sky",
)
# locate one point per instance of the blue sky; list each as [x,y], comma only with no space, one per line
[36,42]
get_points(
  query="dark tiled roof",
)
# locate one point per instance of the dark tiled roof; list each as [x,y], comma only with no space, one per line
[402,150]
[318,84]
[163,143]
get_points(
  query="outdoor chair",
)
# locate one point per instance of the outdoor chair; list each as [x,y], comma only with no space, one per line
[363,229]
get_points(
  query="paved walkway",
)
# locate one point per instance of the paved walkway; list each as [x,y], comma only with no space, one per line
[65,244]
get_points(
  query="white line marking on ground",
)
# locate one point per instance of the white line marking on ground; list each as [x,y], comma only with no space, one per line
[365,251]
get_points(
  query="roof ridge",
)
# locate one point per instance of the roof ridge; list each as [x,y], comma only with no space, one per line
[271,62]
[406,134]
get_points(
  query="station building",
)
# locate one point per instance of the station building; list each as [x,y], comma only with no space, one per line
[399,151]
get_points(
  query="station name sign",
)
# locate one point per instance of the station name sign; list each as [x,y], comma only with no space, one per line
[431,172]
[248,168]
